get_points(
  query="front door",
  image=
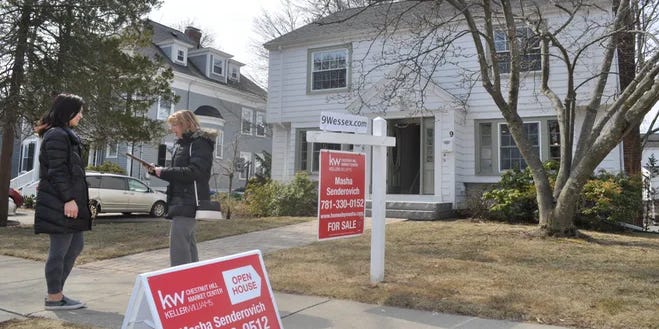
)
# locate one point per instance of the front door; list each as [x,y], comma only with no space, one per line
[410,164]
[404,159]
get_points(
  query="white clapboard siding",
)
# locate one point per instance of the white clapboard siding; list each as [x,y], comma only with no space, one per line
[291,107]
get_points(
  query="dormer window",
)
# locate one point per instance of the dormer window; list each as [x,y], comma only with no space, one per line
[218,65]
[234,73]
[180,55]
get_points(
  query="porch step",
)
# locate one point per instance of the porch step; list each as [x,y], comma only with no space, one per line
[416,210]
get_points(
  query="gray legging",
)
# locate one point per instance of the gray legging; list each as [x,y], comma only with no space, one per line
[182,241]
[64,249]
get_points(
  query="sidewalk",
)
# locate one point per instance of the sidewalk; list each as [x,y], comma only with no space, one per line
[106,287]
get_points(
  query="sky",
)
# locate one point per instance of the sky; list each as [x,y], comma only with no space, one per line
[229,21]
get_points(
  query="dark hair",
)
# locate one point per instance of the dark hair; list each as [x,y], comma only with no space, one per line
[65,107]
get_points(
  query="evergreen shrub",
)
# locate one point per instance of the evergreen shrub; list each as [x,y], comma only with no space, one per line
[108,167]
[271,198]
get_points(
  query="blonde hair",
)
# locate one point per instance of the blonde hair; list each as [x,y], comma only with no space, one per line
[185,119]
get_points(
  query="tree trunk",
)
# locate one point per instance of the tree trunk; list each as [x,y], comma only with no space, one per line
[632,152]
[11,106]
[559,221]
[631,142]
[558,218]
[8,136]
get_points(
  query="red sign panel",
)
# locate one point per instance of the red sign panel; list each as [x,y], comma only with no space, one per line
[341,194]
[232,293]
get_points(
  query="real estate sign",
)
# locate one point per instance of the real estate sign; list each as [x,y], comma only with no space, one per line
[342,122]
[229,292]
[341,194]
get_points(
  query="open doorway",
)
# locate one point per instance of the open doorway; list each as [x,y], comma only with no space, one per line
[403,167]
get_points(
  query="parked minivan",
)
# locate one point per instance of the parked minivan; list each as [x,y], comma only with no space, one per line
[123,194]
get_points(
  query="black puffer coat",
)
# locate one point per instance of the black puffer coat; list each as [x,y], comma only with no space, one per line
[62,178]
[188,166]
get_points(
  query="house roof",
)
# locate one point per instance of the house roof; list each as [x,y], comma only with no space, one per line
[162,34]
[358,21]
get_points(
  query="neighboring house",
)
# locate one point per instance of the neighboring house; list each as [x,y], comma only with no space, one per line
[651,171]
[209,83]
[456,146]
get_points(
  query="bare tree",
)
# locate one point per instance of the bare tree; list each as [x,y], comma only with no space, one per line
[292,14]
[82,47]
[207,39]
[321,8]
[231,167]
[416,39]
[271,25]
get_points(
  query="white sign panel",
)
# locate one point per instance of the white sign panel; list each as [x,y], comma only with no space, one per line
[331,121]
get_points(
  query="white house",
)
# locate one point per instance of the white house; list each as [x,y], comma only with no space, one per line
[451,144]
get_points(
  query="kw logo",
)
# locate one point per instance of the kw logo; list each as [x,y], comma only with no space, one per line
[334,161]
[170,301]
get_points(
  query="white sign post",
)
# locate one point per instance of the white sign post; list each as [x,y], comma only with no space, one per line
[378,202]
[379,141]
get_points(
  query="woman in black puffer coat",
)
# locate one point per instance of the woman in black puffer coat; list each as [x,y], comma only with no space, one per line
[61,208]
[192,162]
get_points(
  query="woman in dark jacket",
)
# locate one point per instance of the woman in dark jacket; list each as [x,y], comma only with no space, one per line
[191,166]
[61,208]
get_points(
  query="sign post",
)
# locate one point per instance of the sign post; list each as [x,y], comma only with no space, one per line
[227,292]
[378,202]
[379,141]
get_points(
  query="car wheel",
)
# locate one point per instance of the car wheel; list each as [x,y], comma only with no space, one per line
[158,209]
[93,209]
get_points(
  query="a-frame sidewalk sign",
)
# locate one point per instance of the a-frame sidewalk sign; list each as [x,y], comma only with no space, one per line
[227,292]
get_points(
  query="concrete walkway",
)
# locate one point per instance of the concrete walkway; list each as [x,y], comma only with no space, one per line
[106,287]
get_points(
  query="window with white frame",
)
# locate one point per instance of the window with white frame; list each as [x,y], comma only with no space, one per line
[554,140]
[329,69]
[247,163]
[260,124]
[529,45]
[247,122]
[234,73]
[27,158]
[165,108]
[219,145]
[112,150]
[165,152]
[308,154]
[497,152]
[162,155]
[179,55]
[258,164]
[218,65]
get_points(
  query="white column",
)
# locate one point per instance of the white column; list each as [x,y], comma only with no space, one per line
[378,202]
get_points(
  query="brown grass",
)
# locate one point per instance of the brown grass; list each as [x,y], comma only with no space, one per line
[488,270]
[115,238]
[41,323]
